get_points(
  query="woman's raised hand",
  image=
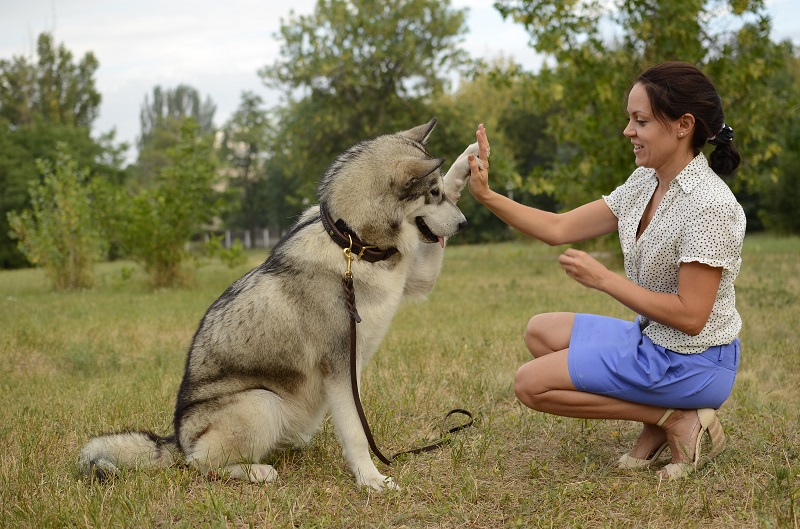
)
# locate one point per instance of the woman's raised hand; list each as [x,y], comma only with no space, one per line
[479,167]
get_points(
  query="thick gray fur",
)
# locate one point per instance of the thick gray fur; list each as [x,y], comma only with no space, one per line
[270,357]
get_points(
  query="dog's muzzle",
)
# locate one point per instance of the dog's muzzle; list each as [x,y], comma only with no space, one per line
[428,234]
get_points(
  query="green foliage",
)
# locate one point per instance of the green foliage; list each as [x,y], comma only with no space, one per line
[59,232]
[232,257]
[162,119]
[355,69]
[43,103]
[780,200]
[244,147]
[55,90]
[514,126]
[757,81]
[582,92]
[154,225]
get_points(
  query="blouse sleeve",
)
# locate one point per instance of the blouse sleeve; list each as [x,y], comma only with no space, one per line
[623,197]
[714,236]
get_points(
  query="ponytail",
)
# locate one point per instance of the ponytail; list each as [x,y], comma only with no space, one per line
[725,158]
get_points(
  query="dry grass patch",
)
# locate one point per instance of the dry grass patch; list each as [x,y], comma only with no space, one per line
[111,358]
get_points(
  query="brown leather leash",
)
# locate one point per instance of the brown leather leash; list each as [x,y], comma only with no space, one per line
[338,231]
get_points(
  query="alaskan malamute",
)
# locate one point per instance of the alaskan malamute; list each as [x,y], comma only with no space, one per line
[271,356]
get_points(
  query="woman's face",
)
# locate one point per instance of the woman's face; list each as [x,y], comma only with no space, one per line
[656,145]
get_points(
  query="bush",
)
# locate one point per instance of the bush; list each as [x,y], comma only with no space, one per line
[155,225]
[59,232]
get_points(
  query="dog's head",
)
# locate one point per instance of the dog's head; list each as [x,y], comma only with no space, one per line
[389,187]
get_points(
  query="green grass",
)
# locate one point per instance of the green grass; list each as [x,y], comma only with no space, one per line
[77,364]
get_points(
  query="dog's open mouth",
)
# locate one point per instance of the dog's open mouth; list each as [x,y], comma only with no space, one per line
[427,233]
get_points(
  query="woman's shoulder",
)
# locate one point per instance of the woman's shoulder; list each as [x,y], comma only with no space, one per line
[641,178]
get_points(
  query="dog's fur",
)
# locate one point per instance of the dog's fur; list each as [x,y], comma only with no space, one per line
[271,356]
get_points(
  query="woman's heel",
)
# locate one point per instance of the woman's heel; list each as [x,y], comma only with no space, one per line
[709,423]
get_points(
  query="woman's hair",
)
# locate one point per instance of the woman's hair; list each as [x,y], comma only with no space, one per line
[678,88]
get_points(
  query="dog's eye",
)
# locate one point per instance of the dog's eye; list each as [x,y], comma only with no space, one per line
[435,191]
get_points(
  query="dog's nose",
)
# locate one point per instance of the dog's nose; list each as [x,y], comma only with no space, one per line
[462,224]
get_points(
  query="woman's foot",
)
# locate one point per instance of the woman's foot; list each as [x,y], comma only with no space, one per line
[646,450]
[685,430]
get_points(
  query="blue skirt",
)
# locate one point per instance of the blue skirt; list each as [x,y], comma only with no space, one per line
[608,356]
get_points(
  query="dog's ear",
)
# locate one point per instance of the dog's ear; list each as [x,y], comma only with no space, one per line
[412,168]
[421,133]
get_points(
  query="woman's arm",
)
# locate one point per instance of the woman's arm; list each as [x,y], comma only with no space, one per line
[585,222]
[686,311]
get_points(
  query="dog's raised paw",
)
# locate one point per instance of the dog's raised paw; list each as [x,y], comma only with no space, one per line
[456,177]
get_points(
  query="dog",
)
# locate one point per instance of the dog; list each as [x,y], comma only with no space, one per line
[270,357]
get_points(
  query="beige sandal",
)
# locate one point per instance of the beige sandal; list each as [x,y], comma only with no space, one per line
[628,462]
[709,423]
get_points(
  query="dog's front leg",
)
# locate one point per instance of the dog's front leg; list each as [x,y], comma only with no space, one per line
[425,270]
[355,447]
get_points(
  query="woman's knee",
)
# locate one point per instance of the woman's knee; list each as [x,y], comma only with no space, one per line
[525,386]
[534,340]
[548,332]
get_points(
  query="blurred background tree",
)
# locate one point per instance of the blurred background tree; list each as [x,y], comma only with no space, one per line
[354,69]
[44,102]
[59,232]
[162,118]
[596,49]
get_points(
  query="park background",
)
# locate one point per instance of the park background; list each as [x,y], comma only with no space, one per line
[126,232]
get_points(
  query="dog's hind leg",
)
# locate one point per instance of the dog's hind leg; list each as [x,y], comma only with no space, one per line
[236,437]
[355,447]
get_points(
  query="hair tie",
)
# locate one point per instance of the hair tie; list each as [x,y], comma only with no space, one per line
[725,135]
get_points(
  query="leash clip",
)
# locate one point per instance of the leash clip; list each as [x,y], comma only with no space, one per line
[348,255]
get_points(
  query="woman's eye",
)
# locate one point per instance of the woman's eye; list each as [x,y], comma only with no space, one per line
[640,122]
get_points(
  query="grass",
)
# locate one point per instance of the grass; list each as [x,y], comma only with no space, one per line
[111,358]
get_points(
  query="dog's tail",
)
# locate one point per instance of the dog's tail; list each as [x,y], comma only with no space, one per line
[103,456]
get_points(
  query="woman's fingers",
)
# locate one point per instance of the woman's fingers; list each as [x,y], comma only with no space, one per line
[483,144]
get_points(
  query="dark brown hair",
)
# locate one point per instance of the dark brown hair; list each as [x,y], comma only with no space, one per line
[678,88]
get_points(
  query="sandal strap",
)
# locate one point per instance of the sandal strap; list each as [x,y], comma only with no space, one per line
[665,416]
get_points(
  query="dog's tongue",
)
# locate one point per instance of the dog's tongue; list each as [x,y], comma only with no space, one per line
[441,241]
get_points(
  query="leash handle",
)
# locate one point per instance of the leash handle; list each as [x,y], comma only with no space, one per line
[350,301]
[444,440]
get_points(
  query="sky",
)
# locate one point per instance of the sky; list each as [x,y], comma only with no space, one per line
[218,47]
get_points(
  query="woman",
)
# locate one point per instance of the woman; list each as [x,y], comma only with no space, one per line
[681,231]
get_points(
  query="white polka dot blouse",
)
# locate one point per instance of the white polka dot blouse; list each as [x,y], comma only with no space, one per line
[698,219]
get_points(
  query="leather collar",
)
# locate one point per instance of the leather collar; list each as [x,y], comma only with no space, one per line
[339,231]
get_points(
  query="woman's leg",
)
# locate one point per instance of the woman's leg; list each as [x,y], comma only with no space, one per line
[544,384]
[549,332]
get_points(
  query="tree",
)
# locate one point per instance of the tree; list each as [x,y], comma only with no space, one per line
[506,109]
[244,147]
[44,102]
[355,69]
[582,92]
[59,231]
[162,119]
[155,225]
[55,90]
